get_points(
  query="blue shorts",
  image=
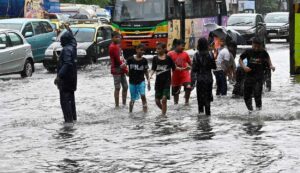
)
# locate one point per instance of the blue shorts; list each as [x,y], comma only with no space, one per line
[137,90]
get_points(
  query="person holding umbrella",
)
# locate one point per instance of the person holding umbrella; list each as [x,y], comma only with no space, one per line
[222,57]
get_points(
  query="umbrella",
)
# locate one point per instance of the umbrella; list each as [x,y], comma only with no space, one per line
[224,33]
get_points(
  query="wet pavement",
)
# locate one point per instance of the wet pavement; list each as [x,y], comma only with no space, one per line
[105,139]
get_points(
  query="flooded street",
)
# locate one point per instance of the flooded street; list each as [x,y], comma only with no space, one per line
[105,139]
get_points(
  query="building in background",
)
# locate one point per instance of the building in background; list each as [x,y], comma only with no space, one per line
[27,8]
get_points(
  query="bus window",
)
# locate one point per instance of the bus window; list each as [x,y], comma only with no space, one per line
[174,9]
[133,10]
[189,11]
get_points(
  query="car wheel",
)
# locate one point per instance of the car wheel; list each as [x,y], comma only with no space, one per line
[28,69]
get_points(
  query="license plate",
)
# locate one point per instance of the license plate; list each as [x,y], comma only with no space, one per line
[136,42]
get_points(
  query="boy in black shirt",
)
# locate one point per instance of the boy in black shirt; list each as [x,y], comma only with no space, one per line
[162,65]
[138,68]
[258,59]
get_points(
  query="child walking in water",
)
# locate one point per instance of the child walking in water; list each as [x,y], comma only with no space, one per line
[203,64]
[257,58]
[162,65]
[138,69]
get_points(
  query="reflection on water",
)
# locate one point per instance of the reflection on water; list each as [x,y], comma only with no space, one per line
[204,129]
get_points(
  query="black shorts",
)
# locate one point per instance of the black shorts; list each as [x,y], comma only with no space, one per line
[176,89]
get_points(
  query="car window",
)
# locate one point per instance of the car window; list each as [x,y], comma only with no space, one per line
[3,39]
[108,32]
[38,28]
[100,33]
[27,28]
[47,27]
[104,32]
[15,39]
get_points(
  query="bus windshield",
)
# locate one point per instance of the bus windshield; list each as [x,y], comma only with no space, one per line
[139,10]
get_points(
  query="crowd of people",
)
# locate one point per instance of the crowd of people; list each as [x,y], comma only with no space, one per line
[173,70]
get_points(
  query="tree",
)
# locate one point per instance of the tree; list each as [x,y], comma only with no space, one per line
[101,3]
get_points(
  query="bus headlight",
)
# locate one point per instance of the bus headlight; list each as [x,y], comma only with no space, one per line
[81,52]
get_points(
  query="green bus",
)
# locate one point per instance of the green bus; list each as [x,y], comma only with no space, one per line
[152,21]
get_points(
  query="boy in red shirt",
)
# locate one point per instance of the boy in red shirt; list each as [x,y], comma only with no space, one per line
[181,75]
[118,68]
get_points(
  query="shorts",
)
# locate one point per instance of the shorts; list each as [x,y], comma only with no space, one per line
[176,89]
[137,90]
[120,80]
[159,94]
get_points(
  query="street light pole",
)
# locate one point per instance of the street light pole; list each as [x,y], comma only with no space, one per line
[182,19]
[219,5]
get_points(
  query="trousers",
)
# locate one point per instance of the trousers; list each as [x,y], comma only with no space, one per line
[67,102]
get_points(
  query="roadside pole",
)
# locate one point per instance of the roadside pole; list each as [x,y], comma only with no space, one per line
[292,37]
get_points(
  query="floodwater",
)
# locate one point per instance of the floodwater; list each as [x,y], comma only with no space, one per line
[33,138]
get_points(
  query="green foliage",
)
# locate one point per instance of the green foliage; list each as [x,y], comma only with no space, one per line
[101,3]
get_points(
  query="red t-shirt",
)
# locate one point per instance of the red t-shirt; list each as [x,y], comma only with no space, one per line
[181,60]
[116,60]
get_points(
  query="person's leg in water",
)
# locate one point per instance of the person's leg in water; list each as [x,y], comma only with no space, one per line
[218,82]
[131,104]
[248,92]
[144,102]
[223,83]
[207,109]
[258,94]
[134,95]
[117,83]
[187,89]
[199,100]
[66,105]
[268,79]
[124,89]
[175,93]
[158,103]
[73,106]
[164,105]
[142,92]
[237,91]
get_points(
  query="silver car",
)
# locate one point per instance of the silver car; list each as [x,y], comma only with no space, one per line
[15,54]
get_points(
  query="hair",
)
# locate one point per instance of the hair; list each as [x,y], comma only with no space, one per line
[202,44]
[257,40]
[140,46]
[115,33]
[162,45]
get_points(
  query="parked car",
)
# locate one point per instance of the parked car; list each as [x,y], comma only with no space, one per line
[93,41]
[277,25]
[248,25]
[38,33]
[15,54]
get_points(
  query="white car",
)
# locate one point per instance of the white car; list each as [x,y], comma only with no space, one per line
[15,54]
